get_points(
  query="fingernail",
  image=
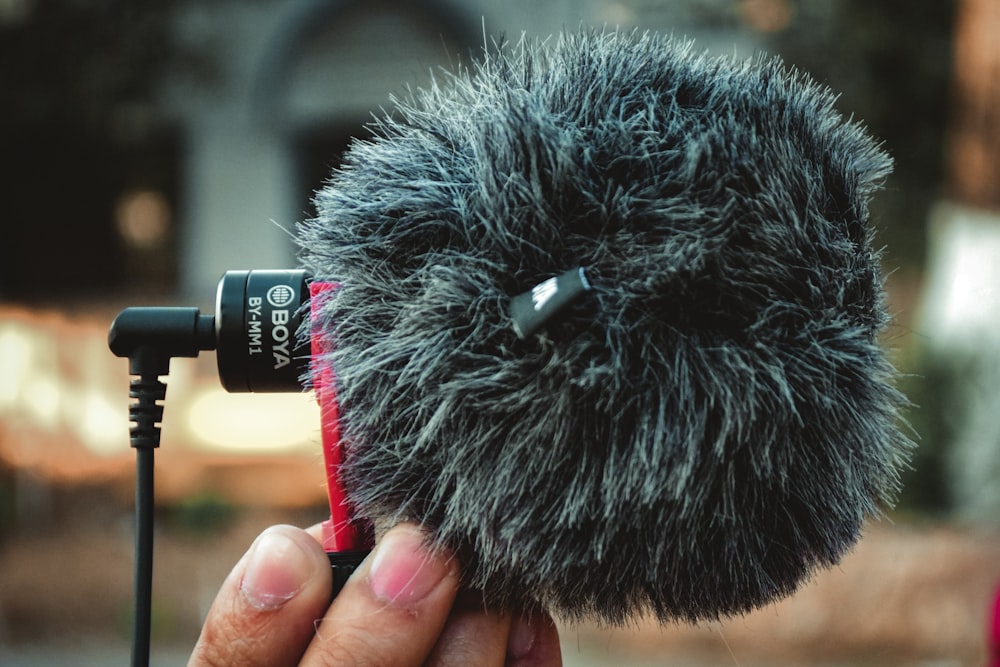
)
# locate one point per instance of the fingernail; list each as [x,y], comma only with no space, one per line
[276,571]
[521,639]
[403,571]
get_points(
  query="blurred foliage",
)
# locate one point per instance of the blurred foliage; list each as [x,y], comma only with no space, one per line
[164,619]
[891,61]
[67,63]
[79,124]
[8,500]
[935,390]
[201,515]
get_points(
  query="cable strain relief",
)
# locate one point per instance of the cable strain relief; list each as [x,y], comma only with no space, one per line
[145,413]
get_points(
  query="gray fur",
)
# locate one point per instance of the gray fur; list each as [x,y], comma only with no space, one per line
[712,423]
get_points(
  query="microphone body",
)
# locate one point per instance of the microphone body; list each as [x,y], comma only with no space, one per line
[695,433]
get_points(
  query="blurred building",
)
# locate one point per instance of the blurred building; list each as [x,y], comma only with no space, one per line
[209,156]
[247,111]
[244,108]
[294,80]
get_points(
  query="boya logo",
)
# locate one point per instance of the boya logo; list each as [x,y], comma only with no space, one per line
[280,296]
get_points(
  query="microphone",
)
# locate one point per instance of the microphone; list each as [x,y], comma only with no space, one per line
[608,324]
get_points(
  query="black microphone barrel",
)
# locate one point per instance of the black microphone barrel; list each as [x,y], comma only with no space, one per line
[258,315]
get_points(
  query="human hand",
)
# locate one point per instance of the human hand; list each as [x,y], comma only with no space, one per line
[401,607]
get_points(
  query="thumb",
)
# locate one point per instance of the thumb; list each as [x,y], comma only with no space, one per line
[266,611]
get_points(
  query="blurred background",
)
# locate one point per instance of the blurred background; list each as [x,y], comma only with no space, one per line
[148,147]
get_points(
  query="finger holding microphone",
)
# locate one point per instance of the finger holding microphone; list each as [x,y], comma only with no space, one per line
[399,608]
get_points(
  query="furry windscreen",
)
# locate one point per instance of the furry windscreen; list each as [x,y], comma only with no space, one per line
[703,429]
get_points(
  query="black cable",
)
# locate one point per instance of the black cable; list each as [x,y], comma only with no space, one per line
[146,414]
[143,583]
